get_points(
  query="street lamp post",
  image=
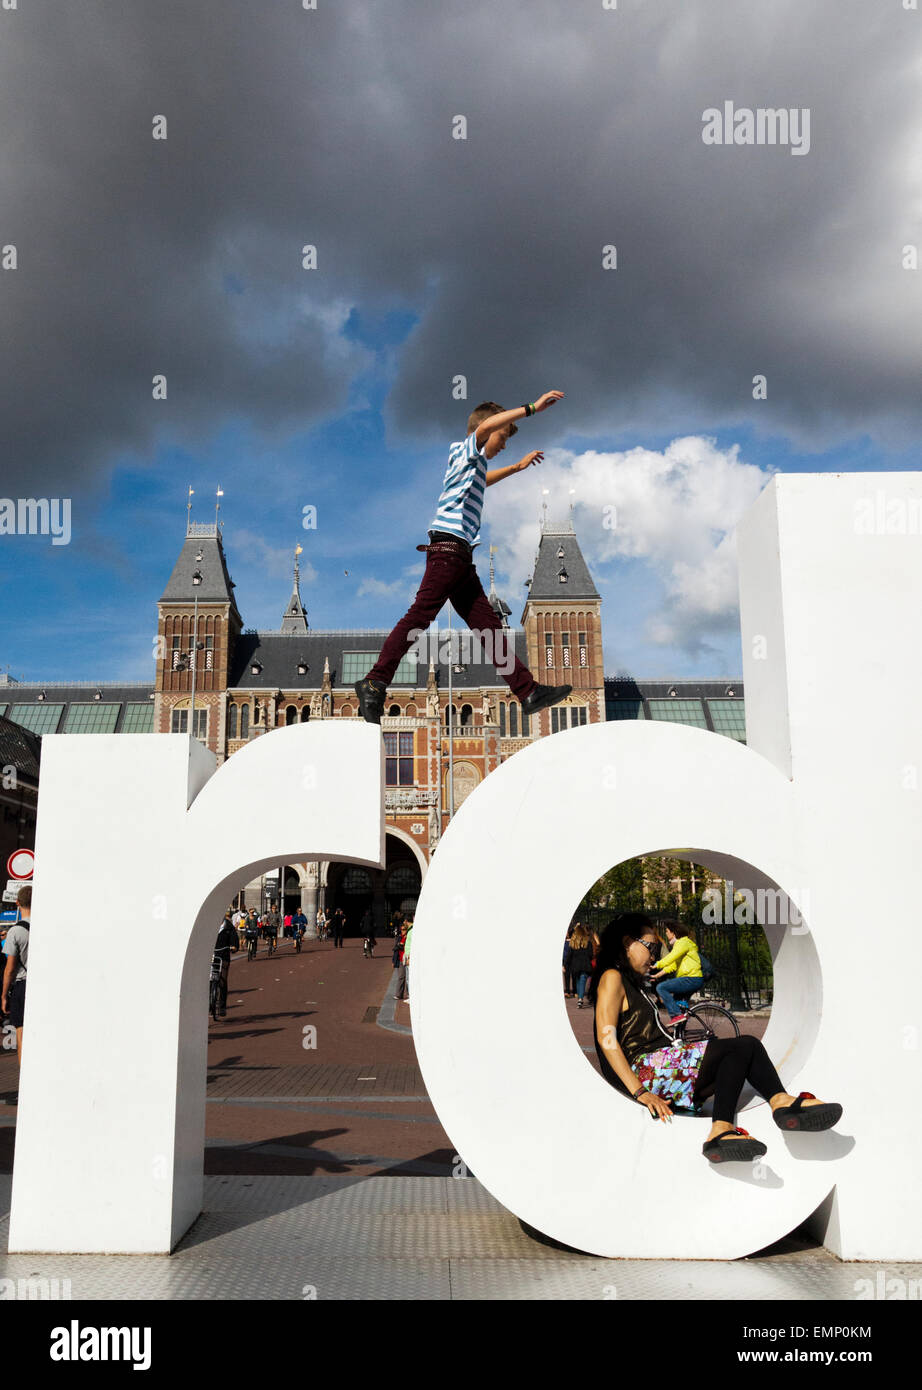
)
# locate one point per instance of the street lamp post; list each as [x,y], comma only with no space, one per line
[196,582]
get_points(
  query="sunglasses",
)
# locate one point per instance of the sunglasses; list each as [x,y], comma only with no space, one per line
[654,949]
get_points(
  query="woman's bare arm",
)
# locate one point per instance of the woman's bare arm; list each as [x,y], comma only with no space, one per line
[608,1007]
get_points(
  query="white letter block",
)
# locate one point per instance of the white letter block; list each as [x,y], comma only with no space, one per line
[147,842]
[816,805]
[111,1129]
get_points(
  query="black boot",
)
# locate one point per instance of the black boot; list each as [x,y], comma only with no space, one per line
[371,700]
[544,695]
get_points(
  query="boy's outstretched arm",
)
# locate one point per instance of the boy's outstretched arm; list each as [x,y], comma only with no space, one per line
[506,417]
[496,475]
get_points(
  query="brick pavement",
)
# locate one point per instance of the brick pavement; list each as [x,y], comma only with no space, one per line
[351,1101]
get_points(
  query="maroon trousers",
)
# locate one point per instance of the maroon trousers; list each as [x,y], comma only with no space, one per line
[450,575]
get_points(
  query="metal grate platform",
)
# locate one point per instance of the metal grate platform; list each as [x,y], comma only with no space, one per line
[407,1238]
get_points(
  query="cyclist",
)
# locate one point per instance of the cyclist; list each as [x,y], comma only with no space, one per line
[298,923]
[227,941]
[683,963]
[271,930]
[639,1058]
[251,933]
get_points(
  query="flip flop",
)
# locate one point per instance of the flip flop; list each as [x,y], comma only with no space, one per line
[740,1148]
[813,1118]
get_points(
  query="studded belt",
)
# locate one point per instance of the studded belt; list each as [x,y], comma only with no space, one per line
[461,546]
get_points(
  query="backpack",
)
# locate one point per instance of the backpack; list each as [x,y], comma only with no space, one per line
[707,970]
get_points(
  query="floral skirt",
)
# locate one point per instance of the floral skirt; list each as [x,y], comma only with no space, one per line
[671,1072]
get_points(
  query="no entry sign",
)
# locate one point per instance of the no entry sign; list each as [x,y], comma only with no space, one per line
[20,863]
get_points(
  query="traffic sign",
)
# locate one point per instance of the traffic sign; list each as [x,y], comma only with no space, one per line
[21,863]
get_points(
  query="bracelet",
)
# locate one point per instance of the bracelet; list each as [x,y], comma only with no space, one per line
[529,410]
[641,1092]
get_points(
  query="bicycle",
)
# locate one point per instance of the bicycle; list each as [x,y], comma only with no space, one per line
[214,987]
[702,1021]
[252,947]
[368,948]
[298,942]
[273,944]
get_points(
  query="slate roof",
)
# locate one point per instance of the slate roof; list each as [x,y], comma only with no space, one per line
[217,585]
[546,583]
[279,653]
[19,749]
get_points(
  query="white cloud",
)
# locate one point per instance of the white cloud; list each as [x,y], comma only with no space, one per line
[673,510]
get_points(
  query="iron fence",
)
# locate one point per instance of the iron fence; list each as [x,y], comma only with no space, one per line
[740,955]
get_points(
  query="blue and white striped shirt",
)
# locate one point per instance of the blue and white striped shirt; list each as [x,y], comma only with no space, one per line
[461,502]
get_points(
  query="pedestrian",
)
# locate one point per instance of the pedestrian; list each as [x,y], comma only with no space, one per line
[406,952]
[580,962]
[450,573]
[16,950]
[400,990]
[227,941]
[339,926]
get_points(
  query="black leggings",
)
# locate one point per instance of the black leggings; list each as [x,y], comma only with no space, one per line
[728,1063]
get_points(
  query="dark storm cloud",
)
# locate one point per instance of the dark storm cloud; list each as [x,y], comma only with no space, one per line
[333,127]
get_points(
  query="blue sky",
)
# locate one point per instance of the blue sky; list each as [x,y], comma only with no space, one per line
[438,253]
[88,610]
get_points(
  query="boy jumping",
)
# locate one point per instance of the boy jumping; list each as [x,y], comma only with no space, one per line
[450,572]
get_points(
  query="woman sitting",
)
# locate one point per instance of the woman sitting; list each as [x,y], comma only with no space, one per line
[679,974]
[642,1060]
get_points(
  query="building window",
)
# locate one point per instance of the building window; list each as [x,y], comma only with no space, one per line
[502,719]
[232,720]
[398,755]
[548,649]
[583,649]
[565,643]
[394,712]
[514,720]
[91,719]
[244,721]
[305,713]
[38,719]
[209,653]
[177,662]
[555,721]
[138,718]
[291,715]
[582,714]
[467,715]
[525,724]
[356,665]
[179,722]
[451,715]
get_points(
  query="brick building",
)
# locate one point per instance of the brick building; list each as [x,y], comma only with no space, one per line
[249,682]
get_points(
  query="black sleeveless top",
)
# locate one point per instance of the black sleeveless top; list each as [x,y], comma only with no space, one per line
[639,1031]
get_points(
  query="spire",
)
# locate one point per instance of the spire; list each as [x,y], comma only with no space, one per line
[499,606]
[295,618]
[561,572]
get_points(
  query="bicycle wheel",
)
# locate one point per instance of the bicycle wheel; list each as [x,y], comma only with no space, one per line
[707,1021]
[213,997]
